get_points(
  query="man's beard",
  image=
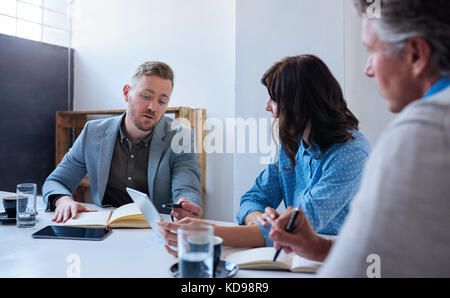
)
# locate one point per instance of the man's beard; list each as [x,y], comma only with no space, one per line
[138,125]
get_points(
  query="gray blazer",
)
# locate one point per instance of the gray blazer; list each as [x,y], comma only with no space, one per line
[170,175]
[399,220]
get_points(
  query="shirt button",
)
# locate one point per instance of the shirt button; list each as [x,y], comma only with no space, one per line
[132,156]
[129,178]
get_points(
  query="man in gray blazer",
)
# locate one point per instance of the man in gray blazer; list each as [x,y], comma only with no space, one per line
[132,150]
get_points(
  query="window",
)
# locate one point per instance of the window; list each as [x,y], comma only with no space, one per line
[40,20]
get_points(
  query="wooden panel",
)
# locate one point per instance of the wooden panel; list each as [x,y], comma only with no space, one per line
[85,182]
[80,123]
[200,133]
[71,121]
[109,112]
[98,112]
[62,143]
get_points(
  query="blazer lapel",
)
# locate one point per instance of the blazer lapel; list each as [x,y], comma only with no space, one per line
[107,145]
[157,146]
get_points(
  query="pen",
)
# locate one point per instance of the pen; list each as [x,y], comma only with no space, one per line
[172,206]
[289,228]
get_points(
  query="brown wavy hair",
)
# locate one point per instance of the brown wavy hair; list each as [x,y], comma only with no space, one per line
[306,92]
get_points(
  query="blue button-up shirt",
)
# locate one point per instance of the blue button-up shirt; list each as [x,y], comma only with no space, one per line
[321,184]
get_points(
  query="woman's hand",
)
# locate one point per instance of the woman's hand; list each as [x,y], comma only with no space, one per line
[269,216]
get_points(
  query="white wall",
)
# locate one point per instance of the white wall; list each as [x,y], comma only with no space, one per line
[266,32]
[196,37]
[361,92]
[219,49]
[330,29]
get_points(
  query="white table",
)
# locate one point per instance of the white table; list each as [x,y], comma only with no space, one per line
[124,253]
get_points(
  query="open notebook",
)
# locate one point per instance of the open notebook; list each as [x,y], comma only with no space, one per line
[261,258]
[126,216]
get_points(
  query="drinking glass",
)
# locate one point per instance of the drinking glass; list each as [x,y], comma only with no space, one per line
[26,205]
[196,251]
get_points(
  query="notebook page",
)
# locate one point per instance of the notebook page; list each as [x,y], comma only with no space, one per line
[299,262]
[259,255]
[98,218]
[126,210]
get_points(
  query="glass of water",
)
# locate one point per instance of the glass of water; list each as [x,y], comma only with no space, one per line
[196,251]
[26,205]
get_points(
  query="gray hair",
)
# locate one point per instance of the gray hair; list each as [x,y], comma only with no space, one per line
[158,68]
[403,19]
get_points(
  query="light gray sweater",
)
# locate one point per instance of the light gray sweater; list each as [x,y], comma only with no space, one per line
[402,210]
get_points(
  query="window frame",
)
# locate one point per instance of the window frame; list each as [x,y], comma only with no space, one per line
[65,32]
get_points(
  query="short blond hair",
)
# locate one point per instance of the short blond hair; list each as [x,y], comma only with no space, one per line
[158,68]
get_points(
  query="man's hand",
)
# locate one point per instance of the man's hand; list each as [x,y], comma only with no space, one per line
[269,216]
[303,240]
[169,231]
[187,210]
[67,208]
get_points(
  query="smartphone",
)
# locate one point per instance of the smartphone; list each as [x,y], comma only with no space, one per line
[73,233]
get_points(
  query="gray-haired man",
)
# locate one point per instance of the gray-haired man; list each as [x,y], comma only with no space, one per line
[133,150]
[398,225]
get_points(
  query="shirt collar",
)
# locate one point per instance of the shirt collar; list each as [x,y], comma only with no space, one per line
[437,87]
[123,136]
[312,150]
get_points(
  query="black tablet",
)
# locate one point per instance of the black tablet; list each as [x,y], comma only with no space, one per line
[74,233]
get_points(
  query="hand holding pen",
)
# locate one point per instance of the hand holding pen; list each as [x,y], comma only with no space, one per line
[289,228]
[183,208]
[301,237]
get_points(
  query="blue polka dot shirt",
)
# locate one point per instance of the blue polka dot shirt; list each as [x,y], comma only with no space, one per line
[321,184]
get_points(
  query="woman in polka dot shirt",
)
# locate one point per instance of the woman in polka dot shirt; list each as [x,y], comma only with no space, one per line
[321,156]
